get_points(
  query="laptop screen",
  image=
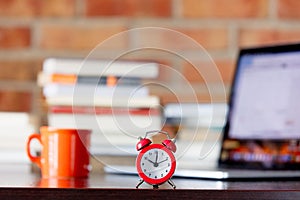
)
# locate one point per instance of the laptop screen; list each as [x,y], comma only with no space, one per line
[263,123]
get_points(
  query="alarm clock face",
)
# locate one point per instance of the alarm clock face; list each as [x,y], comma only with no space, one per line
[156,164]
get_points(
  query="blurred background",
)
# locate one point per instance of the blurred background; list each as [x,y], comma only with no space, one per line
[32,30]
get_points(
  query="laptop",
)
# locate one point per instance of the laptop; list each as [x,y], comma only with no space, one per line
[261,136]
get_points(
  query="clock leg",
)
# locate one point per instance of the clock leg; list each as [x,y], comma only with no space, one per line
[140,183]
[155,186]
[172,183]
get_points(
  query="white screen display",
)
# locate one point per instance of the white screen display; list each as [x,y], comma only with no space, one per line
[266,98]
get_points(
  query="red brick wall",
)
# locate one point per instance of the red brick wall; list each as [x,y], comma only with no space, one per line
[31,30]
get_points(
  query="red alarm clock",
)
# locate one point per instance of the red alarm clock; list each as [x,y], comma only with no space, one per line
[156,163]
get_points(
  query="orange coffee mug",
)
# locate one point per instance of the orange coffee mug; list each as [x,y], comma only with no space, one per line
[64,153]
[63,183]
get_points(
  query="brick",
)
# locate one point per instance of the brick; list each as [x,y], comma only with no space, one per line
[253,37]
[224,8]
[183,39]
[59,37]
[166,96]
[15,37]
[202,71]
[61,8]
[189,85]
[12,101]
[19,70]
[211,39]
[129,8]
[289,9]
[33,8]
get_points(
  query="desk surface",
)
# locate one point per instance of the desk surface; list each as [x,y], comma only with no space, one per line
[16,181]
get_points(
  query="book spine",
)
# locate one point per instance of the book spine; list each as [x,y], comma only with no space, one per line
[61,90]
[136,102]
[101,67]
[44,79]
[109,80]
[103,110]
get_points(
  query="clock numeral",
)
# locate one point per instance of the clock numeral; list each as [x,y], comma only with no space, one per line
[150,153]
[155,177]
[149,174]
[162,175]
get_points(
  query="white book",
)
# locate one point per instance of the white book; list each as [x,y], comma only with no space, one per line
[94,67]
[63,90]
[15,130]
[135,102]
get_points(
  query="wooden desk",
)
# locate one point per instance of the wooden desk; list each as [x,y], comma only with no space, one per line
[17,182]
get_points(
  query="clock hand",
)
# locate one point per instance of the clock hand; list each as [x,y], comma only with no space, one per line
[156,152]
[162,161]
[155,164]
[150,161]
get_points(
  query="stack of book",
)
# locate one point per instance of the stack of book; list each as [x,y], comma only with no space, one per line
[108,97]
[15,130]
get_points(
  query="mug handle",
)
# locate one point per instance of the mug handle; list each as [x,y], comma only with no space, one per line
[35,159]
